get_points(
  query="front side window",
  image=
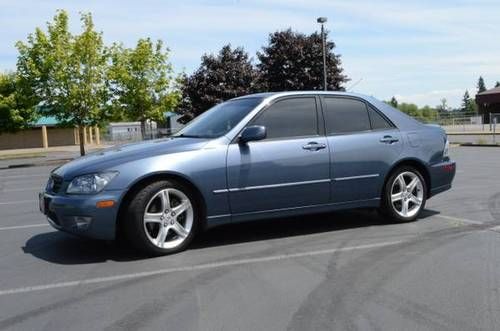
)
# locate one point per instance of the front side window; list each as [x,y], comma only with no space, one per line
[294,117]
[344,115]
[220,119]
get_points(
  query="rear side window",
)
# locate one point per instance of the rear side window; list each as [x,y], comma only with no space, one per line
[345,115]
[295,117]
[378,121]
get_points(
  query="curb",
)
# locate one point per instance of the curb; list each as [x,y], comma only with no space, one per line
[478,145]
[40,164]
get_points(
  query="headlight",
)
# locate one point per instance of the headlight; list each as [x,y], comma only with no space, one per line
[446,149]
[91,183]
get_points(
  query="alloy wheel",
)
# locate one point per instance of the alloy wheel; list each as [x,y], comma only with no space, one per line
[168,218]
[407,194]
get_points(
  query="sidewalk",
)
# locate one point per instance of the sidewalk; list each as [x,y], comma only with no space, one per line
[12,158]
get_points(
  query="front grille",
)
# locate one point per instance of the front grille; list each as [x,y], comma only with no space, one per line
[56,183]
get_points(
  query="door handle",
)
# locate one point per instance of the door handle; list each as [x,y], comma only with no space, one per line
[313,146]
[388,140]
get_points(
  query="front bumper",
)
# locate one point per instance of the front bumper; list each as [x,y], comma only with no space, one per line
[79,215]
[442,175]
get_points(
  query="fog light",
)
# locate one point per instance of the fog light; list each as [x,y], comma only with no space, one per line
[82,222]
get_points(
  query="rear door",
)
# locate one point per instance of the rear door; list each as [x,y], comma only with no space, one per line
[288,169]
[364,144]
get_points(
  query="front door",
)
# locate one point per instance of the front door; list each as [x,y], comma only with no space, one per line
[288,169]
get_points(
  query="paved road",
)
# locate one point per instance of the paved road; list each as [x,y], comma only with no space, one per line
[341,271]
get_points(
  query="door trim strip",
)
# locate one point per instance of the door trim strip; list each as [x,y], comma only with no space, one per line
[338,179]
[260,187]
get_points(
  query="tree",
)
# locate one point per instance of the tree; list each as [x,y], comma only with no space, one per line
[497,84]
[481,87]
[467,103]
[16,112]
[394,102]
[294,61]
[65,72]
[443,106]
[142,81]
[220,77]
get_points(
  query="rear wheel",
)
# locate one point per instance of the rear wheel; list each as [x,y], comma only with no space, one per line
[162,218]
[404,195]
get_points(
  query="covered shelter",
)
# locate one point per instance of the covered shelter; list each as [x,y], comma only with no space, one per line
[488,103]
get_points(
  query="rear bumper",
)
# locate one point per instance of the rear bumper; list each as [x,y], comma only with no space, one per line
[442,175]
[79,215]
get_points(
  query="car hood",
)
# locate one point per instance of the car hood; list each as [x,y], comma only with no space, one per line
[110,157]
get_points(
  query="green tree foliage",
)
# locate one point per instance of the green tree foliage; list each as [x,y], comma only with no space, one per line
[65,72]
[424,114]
[294,61]
[394,102]
[16,112]
[497,84]
[220,77]
[142,81]
[481,87]
[468,104]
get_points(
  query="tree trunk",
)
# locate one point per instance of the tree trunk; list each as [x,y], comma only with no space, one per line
[81,137]
[143,129]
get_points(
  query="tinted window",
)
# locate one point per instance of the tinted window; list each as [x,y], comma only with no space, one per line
[344,115]
[290,118]
[378,121]
[218,120]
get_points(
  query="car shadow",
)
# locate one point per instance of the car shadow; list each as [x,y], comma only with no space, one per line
[61,248]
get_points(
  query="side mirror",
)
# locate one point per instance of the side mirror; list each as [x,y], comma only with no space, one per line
[252,133]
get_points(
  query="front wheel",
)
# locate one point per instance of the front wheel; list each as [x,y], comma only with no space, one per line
[162,218]
[404,195]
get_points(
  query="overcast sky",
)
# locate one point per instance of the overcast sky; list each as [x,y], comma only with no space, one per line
[419,51]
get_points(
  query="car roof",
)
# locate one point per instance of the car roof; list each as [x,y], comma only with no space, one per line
[266,95]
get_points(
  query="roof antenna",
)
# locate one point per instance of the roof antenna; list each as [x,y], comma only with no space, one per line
[354,84]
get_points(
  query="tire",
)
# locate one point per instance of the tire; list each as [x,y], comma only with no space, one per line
[162,218]
[397,195]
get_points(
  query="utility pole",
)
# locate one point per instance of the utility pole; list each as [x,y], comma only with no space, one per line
[323,20]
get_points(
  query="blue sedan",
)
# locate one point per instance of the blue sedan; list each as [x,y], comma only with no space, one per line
[258,156]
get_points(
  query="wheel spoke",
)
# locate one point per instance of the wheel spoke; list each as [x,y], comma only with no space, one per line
[179,229]
[162,235]
[404,207]
[152,218]
[412,184]
[396,196]
[415,200]
[181,208]
[402,183]
[165,200]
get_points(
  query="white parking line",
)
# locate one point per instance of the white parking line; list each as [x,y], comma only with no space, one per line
[16,227]
[190,268]
[17,202]
[457,219]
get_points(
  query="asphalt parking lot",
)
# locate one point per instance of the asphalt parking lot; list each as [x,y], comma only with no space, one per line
[342,271]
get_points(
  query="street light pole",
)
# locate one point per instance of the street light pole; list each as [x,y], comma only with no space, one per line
[323,20]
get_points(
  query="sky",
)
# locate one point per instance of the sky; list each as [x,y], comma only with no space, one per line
[419,51]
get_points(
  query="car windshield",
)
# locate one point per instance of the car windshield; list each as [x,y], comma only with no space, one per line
[220,119]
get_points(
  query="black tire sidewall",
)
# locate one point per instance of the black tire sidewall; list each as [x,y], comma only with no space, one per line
[388,208]
[134,217]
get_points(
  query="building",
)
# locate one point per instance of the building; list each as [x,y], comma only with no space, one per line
[488,103]
[46,133]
